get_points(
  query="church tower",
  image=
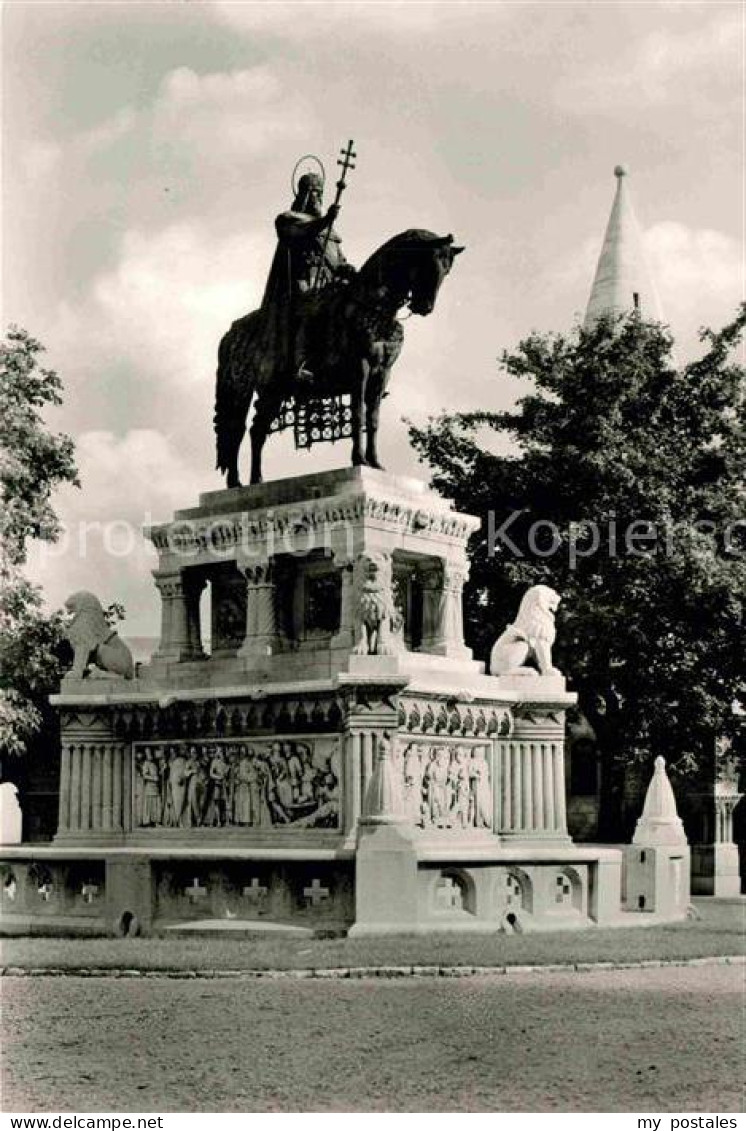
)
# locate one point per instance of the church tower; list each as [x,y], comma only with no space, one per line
[622,281]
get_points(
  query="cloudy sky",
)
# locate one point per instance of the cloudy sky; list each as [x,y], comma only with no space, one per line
[148,147]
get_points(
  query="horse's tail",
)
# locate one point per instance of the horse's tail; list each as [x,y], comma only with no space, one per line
[234,389]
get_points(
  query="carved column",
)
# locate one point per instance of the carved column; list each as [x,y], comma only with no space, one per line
[727,797]
[715,858]
[85,786]
[63,817]
[76,753]
[194,584]
[107,808]
[443,614]
[177,617]
[96,784]
[261,630]
[117,786]
[530,798]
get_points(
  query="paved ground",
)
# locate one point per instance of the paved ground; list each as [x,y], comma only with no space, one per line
[669,1039]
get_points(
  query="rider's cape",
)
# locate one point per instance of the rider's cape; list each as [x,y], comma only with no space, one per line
[292,276]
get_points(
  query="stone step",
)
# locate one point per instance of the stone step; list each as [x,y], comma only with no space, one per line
[235,927]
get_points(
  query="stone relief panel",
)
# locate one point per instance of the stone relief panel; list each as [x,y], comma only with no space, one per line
[447,785]
[282,782]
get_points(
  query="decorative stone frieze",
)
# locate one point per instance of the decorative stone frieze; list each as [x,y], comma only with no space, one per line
[437,715]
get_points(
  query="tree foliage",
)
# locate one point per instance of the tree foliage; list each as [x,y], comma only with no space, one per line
[33,462]
[652,632]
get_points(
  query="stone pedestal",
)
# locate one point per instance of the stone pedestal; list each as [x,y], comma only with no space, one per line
[339,762]
[299,543]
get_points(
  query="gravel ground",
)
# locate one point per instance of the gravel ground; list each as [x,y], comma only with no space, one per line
[668,1039]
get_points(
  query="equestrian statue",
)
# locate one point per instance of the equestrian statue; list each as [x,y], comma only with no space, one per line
[316,356]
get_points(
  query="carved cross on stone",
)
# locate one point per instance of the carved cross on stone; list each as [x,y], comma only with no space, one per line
[514,894]
[44,891]
[449,896]
[89,892]
[315,895]
[254,891]
[196,891]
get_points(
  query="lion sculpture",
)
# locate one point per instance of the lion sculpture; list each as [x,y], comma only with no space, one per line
[93,639]
[528,641]
[378,623]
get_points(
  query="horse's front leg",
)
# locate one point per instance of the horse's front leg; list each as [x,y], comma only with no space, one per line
[373,397]
[357,404]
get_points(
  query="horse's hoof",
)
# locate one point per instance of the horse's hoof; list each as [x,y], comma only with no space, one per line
[233,481]
[375,463]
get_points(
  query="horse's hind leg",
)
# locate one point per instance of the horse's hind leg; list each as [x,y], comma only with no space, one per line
[373,396]
[357,407]
[267,407]
[233,446]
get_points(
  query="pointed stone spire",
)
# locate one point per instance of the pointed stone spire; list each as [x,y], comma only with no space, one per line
[660,823]
[622,281]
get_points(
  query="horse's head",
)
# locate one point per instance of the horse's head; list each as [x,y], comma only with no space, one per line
[411,267]
[429,269]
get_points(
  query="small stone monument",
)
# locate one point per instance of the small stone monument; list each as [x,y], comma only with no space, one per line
[658,860]
[11,817]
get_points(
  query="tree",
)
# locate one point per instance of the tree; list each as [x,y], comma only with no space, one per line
[626,494]
[33,462]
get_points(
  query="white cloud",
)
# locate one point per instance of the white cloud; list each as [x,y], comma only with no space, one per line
[39,158]
[127,483]
[664,67]
[166,303]
[699,273]
[227,115]
[118,126]
[328,19]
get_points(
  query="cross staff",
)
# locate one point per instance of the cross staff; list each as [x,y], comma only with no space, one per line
[346,160]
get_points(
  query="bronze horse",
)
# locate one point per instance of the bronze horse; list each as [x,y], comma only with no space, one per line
[347,337]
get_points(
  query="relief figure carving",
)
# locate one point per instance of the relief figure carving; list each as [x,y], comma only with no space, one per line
[280,783]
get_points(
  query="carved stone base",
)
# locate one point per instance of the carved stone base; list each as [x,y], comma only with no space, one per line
[385,881]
